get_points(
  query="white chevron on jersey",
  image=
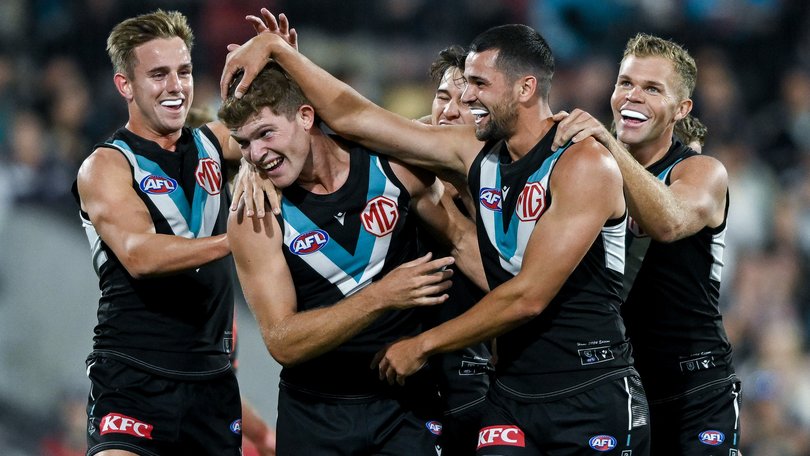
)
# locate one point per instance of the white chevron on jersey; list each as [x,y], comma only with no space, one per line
[512,244]
[350,273]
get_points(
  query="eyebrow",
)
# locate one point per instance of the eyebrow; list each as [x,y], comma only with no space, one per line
[167,69]
[253,133]
[623,77]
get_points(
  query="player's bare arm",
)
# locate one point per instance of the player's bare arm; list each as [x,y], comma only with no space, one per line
[448,152]
[124,224]
[579,209]
[695,198]
[292,337]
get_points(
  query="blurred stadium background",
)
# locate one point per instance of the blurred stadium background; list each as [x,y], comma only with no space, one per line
[57,99]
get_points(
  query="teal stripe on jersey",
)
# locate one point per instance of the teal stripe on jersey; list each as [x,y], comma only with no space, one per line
[353,265]
[177,196]
[507,243]
[201,197]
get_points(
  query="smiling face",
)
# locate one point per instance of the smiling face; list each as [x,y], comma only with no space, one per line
[161,87]
[489,94]
[646,102]
[277,145]
[447,107]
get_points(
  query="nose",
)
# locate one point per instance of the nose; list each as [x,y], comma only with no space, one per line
[452,110]
[256,153]
[173,83]
[634,93]
[468,95]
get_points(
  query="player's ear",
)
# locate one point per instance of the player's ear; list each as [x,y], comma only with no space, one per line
[684,108]
[123,85]
[306,115]
[527,87]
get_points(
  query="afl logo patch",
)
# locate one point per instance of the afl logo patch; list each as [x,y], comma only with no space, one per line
[490,198]
[309,242]
[712,437]
[434,427]
[209,176]
[236,427]
[157,185]
[602,442]
[380,216]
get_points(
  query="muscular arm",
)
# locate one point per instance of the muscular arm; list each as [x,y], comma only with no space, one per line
[447,151]
[292,336]
[578,212]
[694,199]
[122,220]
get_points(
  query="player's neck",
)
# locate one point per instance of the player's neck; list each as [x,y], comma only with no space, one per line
[651,152]
[166,141]
[327,168]
[527,134]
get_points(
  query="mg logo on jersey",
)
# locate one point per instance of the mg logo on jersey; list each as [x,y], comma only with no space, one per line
[434,427]
[209,176]
[634,229]
[713,438]
[501,435]
[121,424]
[491,198]
[380,216]
[158,185]
[531,202]
[602,442]
[309,242]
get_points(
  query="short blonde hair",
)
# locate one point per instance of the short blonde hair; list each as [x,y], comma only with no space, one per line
[644,45]
[135,31]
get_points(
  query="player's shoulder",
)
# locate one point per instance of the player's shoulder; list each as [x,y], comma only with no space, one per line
[703,165]
[588,155]
[103,159]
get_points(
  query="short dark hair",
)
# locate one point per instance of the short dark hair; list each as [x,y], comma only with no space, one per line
[450,57]
[521,51]
[272,88]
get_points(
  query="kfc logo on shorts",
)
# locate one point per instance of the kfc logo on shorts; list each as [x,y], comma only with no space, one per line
[602,442]
[531,202]
[157,185]
[503,435]
[115,423]
[209,176]
[712,437]
[491,198]
[380,216]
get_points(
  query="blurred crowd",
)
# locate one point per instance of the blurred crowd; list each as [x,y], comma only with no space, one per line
[753,93]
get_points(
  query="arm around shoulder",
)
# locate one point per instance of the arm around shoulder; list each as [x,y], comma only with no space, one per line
[695,199]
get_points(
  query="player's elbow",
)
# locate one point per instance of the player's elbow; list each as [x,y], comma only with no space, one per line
[668,231]
[527,307]
[137,266]
[284,359]
[284,354]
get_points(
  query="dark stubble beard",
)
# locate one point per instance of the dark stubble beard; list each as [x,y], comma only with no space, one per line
[501,125]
